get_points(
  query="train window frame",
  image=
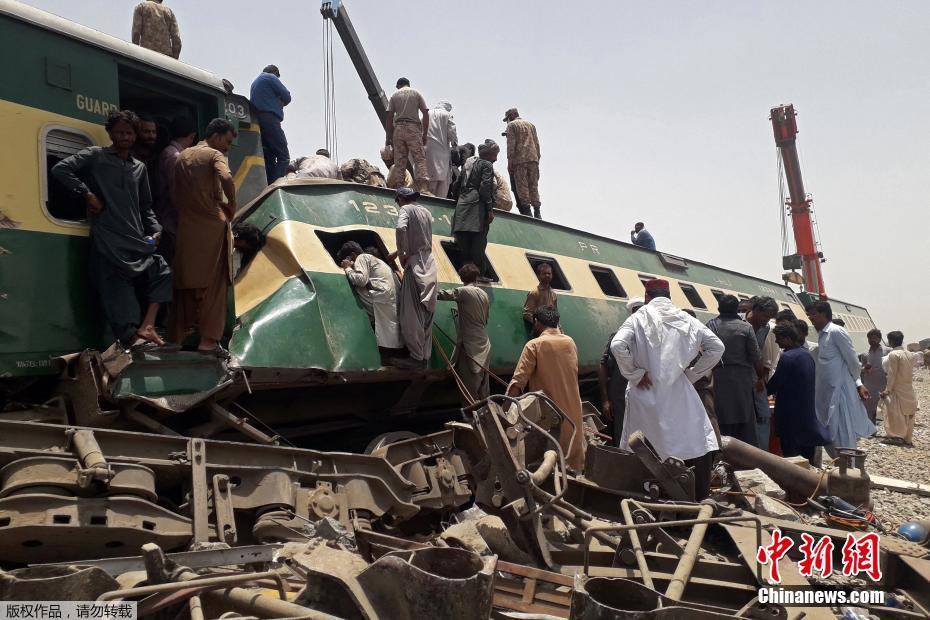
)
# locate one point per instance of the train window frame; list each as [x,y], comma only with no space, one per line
[455,260]
[742,297]
[687,288]
[643,278]
[324,237]
[45,171]
[717,293]
[558,276]
[614,281]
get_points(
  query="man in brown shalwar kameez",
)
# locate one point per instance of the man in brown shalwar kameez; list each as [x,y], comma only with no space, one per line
[202,259]
[549,362]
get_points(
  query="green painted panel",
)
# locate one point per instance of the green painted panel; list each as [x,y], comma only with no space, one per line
[48,307]
[319,323]
[83,77]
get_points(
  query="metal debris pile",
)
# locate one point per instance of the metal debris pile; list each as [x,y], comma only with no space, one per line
[479,520]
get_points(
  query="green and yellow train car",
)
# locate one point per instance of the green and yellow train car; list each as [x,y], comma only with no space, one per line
[304,356]
[59,81]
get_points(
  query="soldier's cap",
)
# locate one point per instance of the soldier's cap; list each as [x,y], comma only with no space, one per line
[511,112]
[406,192]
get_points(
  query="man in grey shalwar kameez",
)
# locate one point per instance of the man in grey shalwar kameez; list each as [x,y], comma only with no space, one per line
[472,347]
[873,375]
[418,289]
[474,209]
[123,229]
[376,286]
[736,376]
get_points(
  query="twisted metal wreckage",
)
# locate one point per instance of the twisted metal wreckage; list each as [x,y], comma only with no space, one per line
[268,531]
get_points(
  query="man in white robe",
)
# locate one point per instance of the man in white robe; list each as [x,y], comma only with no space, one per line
[898,398]
[839,392]
[419,288]
[441,138]
[654,349]
[376,286]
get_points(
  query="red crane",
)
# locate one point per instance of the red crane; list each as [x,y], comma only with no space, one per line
[798,204]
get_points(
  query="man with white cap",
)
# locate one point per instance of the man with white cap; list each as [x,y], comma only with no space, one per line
[418,290]
[655,349]
[441,138]
[612,383]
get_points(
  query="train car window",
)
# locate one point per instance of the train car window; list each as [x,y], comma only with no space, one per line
[743,297]
[717,293]
[332,241]
[559,281]
[694,298]
[643,278]
[57,144]
[455,257]
[785,307]
[607,280]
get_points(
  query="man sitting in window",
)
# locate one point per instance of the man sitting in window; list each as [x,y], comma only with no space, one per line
[123,229]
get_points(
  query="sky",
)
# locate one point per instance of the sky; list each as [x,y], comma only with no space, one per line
[652,111]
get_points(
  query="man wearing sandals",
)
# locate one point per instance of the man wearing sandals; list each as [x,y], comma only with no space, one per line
[202,263]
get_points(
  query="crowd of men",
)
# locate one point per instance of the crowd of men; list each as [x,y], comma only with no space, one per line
[160,231]
[160,228]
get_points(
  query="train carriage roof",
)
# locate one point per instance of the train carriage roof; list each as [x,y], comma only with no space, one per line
[68,28]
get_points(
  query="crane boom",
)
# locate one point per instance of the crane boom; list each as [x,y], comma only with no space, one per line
[335,11]
[785,126]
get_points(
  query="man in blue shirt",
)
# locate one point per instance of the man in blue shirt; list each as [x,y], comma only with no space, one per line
[269,96]
[641,237]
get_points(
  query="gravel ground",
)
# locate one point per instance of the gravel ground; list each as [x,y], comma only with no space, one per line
[912,464]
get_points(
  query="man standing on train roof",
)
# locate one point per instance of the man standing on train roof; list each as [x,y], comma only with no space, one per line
[269,96]
[376,286]
[123,229]
[203,260]
[840,393]
[417,305]
[474,209]
[543,295]
[441,138]
[642,237]
[182,137]
[472,346]
[155,27]
[549,362]
[407,133]
[523,161]
[655,349]
[873,375]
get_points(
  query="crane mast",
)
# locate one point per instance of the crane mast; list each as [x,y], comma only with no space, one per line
[808,257]
[335,11]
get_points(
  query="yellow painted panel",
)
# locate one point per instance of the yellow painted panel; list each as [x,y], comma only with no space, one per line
[22,165]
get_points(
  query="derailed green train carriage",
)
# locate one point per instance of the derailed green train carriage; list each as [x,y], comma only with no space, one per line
[299,323]
[304,356]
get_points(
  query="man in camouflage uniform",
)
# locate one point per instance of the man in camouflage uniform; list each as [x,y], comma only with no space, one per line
[407,132]
[155,27]
[523,161]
